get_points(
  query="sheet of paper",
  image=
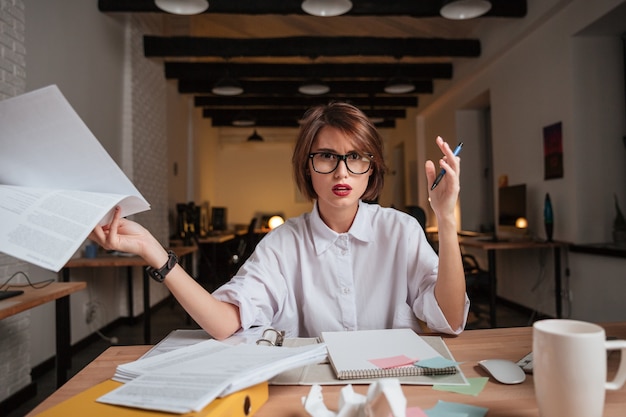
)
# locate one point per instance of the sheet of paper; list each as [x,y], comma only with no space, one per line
[69,182]
[45,144]
[222,368]
[46,227]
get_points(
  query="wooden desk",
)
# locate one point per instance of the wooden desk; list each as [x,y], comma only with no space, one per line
[470,347]
[492,246]
[109,261]
[32,297]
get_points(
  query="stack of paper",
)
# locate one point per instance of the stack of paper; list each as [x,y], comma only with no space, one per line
[189,378]
[57,182]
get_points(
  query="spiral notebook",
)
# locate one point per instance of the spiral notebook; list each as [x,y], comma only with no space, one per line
[384,353]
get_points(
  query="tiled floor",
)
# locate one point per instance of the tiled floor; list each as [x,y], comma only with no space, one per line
[170,316]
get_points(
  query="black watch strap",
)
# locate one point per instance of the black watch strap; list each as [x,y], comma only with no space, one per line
[160,274]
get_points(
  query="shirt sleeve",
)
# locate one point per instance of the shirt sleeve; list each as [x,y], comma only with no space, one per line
[422,277]
[257,289]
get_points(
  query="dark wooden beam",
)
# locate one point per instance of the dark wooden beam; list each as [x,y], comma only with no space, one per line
[414,8]
[291,87]
[204,70]
[308,46]
[295,114]
[302,101]
[282,123]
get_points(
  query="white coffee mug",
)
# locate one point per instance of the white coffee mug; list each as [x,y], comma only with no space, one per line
[570,367]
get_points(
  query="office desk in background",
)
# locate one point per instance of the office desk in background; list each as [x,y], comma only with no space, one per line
[184,254]
[33,297]
[468,348]
[492,246]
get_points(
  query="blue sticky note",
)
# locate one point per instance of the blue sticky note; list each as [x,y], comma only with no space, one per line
[450,409]
[436,363]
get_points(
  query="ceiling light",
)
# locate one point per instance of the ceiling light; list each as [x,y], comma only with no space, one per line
[464,9]
[314,88]
[375,118]
[185,7]
[227,87]
[326,8]
[399,85]
[255,137]
[243,119]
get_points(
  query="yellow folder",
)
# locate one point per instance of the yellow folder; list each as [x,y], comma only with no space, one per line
[242,403]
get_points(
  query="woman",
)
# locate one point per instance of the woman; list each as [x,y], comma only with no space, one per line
[346,265]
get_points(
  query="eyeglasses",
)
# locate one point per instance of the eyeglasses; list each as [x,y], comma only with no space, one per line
[327,162]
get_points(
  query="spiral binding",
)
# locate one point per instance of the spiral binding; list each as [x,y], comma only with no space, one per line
[395,372]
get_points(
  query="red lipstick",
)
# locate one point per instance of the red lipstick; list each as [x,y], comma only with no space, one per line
[342,190]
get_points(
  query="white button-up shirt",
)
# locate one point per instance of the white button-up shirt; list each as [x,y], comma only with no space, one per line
[304,278]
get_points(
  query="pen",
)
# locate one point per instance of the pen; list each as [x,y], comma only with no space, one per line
[457,151]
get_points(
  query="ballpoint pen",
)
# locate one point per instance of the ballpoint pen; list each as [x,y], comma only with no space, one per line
[456,152]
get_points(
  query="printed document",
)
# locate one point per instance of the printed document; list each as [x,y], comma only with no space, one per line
[189,378]
[57,182]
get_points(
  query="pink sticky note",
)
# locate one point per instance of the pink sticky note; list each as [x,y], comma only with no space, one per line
[415,412]
[392,362]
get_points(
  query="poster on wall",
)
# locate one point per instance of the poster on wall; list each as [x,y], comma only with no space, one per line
[553,151]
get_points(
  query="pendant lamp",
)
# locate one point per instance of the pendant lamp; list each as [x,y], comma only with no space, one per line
[227,86]
[183,7]
[464,9]
[326,8]
[399,85]
[314,88]
[255,137]
[243,119]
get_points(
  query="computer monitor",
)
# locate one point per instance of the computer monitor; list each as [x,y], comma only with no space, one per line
[512,216]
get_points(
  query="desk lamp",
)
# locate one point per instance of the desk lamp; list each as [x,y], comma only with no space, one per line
[275,221]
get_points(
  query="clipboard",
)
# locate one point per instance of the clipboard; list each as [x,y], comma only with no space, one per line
[242,403]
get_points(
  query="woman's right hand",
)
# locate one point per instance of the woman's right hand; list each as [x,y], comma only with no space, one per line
[127,236]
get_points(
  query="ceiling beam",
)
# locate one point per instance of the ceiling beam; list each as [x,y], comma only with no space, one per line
[414,8]
[215,122]
[291,87]
[203,70]
[308,46]
[303,102]
[295,114]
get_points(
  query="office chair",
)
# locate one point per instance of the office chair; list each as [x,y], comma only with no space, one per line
[419,214]
[245,247]
[477,286]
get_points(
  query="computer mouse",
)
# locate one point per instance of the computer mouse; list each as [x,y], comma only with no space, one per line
[503,371]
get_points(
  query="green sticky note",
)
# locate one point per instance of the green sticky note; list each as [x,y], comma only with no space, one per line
[474,388]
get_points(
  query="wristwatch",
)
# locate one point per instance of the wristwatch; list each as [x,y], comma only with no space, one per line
[159,274]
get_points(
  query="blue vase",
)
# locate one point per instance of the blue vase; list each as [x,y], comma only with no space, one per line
[548,217]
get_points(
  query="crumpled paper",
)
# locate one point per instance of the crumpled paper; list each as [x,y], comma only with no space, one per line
[384,398]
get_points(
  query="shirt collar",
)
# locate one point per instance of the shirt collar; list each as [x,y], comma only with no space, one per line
[324,236]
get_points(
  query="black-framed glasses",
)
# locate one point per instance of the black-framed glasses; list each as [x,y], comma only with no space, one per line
[327,162]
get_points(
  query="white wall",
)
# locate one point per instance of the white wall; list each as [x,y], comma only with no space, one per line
[552,74]
[97,62]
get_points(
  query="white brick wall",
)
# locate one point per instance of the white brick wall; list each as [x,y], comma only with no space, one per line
[12,51]
[15,344]
[149,130]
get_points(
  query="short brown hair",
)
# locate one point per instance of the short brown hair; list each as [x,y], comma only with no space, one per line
[354,124]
